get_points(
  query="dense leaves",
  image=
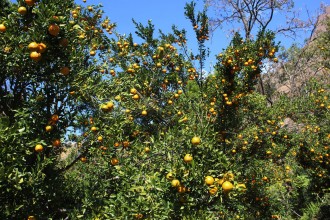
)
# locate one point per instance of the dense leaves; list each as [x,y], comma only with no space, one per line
[151,135]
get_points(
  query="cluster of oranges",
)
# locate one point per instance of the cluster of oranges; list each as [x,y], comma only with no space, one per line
[36,49]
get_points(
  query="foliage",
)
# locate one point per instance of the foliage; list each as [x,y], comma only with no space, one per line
[155,137]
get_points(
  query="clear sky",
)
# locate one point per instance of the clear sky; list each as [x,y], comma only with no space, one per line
[165,13]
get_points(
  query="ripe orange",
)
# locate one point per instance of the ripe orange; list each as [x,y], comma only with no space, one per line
[54,118]
[114,161]
[38,148]
[56,143]
[33,46]
[126,144]
[169,176]
[30,2]
[94,129]
[22,10]
[187,158]
[31,217]
[209,180]
[65,71]
[92,53]
[2,28]
[175,183]
[83,159]
[105,108]
[110,105]
[136,97]
[195,140]
[133,91]
[49,128]
[182,189]
[41,47]
[35,56]
[144,113]
[100,138]
[138,216]
[54,29]
[227,186]
[213,190]
[221,181]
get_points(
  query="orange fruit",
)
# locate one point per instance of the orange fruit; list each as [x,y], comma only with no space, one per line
[182,189]
[110,105]
[30,2]
[31,217]
[2,28]
[54,118]
[114,161]
[35,56]
[187,158]
[133,91]
[169,176]
[175,183]
[54,29]
[83,159]
[65,71]
[221,181]
[213,190]
[105,108]
[209,180]
[33,46]
[147,149]
[94,129]
[49,128]
[22,10]
[126,144]
[92,53]
[56,143]
[144,113]
[42,47]
[136,97]
[227,186]
[100,138]
[195,140]
[38,148]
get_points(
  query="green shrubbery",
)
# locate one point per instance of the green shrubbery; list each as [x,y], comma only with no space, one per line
[133,111]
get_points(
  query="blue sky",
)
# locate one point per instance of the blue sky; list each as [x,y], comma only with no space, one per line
[166,13]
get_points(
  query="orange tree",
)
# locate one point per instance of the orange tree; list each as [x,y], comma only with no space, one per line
[48,76]
[171,143]
[156,137]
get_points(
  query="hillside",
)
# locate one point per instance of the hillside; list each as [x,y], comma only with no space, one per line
[298,65]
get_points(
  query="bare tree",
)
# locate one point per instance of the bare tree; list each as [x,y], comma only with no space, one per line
[251,15]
